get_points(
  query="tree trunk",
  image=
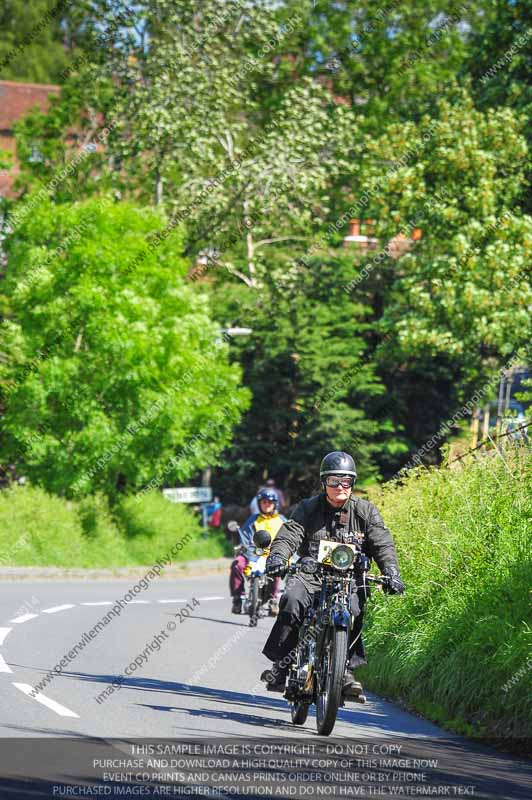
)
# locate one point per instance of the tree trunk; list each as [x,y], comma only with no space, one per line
[250,245]
[158,188]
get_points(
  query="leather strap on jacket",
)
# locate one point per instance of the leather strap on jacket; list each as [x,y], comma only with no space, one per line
[358,531]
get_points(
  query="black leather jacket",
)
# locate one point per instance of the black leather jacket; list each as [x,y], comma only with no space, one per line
[357,521]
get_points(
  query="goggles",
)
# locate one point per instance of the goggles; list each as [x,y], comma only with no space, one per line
[334,481]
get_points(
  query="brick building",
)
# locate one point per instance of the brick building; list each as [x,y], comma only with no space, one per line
[16,99]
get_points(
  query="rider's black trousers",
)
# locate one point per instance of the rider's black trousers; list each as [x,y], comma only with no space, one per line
[282,641]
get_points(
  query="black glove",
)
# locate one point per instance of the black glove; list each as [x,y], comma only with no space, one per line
[275,565]
[392,581]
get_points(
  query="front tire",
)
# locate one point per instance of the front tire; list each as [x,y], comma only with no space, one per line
[331,679]
[254,602]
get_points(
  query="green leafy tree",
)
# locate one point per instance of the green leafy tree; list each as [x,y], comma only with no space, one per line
[263,128]
[191,131]
[177,92]
[499,63]
[525,396]
[6,159]
[456,304]
[278,194]
[112,378]
[391,58]
[499,54]
[34,45]
[316,386]
[464,291]
[67,167]
[441,316]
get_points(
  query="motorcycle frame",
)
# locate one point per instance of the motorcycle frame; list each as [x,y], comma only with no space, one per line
[330,607]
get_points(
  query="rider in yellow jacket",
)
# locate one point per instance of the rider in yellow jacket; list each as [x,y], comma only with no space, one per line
[268,519]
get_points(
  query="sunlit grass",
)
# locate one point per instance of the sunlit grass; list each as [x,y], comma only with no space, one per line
[39,529]
[450,645]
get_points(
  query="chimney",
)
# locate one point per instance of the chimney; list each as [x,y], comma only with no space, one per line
[363,241]
[354,227]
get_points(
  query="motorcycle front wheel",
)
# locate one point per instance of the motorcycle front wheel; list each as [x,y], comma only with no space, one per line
[331,680]
[253,602]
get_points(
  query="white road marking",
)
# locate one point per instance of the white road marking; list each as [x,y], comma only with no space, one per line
[146,602]
[179,600]
[45,701]
[23,618]
[55,609]
[211,598]
[3,666]
[101,603]
[3,634]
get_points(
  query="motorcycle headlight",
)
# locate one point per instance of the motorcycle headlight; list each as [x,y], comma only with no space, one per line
[259,551]
[342,557]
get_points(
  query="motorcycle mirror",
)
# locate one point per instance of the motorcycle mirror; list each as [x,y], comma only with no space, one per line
[309,565]
[232,526]
[262,538]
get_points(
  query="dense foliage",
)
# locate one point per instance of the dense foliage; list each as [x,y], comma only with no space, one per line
[115,375]
[463,538]
[261,129]
[32,45]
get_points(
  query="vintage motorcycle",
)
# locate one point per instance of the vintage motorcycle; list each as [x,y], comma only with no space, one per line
[256,595]
[317,673]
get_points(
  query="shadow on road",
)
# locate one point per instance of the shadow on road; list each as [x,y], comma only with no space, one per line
[229,716]
[368,715]
[223,621]
[377,719]
[185,689]
[47,732]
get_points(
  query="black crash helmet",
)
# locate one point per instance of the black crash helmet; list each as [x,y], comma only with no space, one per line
[338,463]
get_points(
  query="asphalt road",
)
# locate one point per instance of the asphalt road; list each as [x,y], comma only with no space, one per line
[201,679]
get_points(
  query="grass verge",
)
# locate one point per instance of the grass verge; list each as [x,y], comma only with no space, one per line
[38,529]
[457,646]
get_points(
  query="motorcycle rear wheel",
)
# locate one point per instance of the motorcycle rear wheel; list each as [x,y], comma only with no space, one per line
[331,672]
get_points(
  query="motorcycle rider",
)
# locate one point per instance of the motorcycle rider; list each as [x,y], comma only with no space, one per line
[270,484]
[268,519]
[335,515]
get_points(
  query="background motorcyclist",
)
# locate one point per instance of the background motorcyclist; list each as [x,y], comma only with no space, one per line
[333,515]
[268,519]
[270,484]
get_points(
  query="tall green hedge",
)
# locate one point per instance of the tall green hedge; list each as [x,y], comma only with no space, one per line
[458,646]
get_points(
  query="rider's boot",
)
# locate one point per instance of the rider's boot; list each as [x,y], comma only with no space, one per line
[351,688]
[275,677]
[273,607]
[236,608]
